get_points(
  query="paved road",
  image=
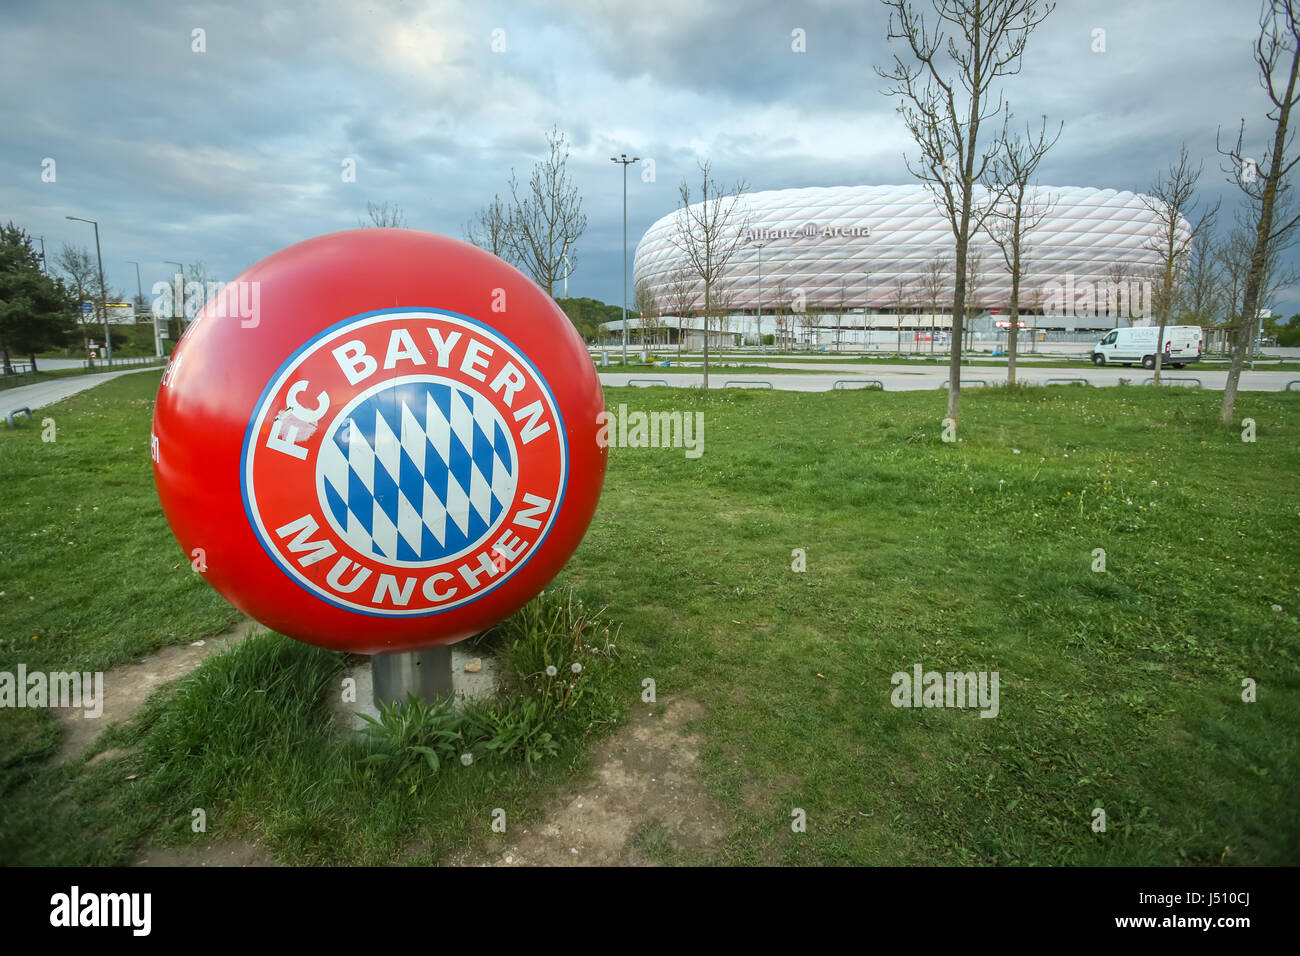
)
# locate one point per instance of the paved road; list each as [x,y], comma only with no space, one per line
[57,389]
[899,378]
[1065,353]
[893,377]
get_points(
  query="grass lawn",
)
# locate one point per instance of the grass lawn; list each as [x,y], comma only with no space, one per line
[1120,690]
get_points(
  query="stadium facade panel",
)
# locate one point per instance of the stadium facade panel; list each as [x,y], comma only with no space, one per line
[864,246]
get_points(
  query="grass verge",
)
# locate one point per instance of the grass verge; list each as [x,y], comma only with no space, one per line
[1120,689]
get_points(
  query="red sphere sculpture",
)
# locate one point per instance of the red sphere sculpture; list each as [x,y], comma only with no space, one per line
[379,440]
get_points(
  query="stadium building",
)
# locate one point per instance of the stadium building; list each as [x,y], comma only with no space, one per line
[856,265]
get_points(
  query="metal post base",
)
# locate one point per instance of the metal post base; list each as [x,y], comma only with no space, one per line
[427,674]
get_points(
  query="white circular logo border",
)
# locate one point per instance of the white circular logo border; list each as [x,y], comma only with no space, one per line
[310,348]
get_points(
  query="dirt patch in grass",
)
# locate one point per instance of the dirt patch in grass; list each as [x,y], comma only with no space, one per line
[642,776]
[127,688]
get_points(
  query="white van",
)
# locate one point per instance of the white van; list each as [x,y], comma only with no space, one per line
[1138,344]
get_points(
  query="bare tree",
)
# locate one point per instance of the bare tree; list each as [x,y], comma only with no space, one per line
[490,228]
[1203,288]
[1233,254]
[546,219]
[810,320]
[1012,220]
[839,314]
[647,310]
[1119,277]
[1266,181]
[199,274]
[934,284]
[724,300]
[708,234]
[1236,257]
[383,216]
[1172,200]
[781,310]
[974,289]
[78,269]
[946,94]
[680,297]
[900,307]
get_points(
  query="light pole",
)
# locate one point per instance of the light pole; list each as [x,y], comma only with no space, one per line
[565,257]
[625,162]
[139,290]
[761,346]
[103,306]
[139,298]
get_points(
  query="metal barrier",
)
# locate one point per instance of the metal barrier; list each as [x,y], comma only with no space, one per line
[649,381]
[9,419]
[746,383]
[864,382]
[109,364]
[1083,381]
[1152,378]
[1290,383]
[966,381]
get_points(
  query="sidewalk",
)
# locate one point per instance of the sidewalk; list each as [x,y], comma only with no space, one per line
[57,389]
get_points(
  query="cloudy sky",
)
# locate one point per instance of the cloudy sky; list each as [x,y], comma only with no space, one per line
[227,155]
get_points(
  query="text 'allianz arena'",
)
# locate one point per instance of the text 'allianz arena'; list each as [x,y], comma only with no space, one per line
[848,247]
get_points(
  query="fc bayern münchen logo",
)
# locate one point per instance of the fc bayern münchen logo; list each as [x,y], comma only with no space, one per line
[404,462]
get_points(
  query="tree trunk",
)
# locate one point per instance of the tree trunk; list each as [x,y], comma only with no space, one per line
[1234,377]
[1160,349]
[32,356]
[1013,329]
[706,336]
[958,315]
[1263,233]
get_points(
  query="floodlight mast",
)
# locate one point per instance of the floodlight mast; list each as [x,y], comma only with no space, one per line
[624,162]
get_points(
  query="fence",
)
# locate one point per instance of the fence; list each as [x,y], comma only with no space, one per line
[22,373]
[103,365]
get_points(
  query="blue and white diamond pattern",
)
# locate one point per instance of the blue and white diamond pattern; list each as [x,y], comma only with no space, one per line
[417,471]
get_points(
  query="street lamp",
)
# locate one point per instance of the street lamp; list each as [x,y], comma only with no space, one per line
[103,305]
[762,347]
[139,290]
[139,298]
[625,162]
